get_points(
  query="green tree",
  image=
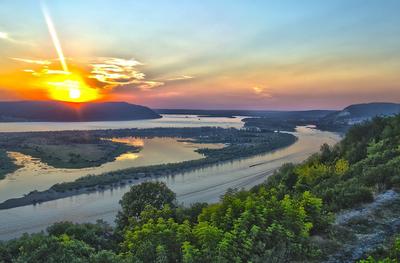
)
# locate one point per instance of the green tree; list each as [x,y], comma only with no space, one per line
[98,236]
[50,249]
[155,194]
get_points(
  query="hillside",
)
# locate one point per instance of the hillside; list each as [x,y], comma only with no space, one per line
[357,113]
[33,111]
[340,205]
[303,115]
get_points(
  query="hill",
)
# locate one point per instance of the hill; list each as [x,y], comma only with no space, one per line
[307,114]
[31,111]
[357,113]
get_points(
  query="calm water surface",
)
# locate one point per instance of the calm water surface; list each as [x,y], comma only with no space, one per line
[204,185]
[167,120]
[35,175]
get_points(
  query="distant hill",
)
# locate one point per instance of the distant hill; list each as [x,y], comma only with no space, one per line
[306,115]
[358,113]
[31,111]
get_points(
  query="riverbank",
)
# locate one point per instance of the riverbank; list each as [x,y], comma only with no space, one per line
[7,164]
[38,197]
[240,148]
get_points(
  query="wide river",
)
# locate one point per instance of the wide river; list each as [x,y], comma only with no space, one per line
[167,120]
[203,185]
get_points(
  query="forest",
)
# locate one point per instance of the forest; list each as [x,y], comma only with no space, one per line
[288,218]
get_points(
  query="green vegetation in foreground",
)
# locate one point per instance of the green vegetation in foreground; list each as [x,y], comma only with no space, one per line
[278,221]
[7,164]
[241,143]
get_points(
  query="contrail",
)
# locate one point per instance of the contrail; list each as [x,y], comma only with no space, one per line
[54,36]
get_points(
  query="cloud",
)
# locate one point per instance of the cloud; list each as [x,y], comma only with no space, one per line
[5,36]
[44,67]
[167,94]
[109,74]
[121,72]
[260,91]
[33,61]
[46,72]
[51,72]
[183,77]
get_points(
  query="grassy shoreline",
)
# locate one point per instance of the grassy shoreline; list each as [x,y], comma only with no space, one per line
[7,164]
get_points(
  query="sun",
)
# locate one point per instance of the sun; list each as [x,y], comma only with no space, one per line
[71,89]
[74,93]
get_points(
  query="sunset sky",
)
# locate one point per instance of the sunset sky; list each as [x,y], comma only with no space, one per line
[233,54]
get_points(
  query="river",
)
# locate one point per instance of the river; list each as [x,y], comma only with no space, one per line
[167,120]
[203,185]
[36,175]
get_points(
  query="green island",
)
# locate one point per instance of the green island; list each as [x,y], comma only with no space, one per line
[318,211]
[76,149]
[239,144]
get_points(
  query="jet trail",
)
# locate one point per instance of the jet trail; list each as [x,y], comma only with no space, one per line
[54,37]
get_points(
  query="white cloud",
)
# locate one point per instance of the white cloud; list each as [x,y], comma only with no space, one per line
[44,67]
[120,72]
[33,61]
[183,77]
[4,35]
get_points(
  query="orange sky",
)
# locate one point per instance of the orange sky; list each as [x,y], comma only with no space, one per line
[260,55]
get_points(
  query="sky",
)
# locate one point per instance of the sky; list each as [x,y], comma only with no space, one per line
[225,54]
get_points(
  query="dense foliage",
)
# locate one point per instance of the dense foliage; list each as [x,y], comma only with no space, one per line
[273,222]
[367,160]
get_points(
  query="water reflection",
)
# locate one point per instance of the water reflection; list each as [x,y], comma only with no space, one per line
[134,141]
[203,185]
[127,156]
[36,175]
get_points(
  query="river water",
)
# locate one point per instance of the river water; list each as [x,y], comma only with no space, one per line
[167,120]
[36,175]
[203,185]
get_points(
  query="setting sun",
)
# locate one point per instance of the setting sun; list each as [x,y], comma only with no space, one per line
[74,93]
[71,89]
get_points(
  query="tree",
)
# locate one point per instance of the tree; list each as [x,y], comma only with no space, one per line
[98,236]
[49,249]
[133,203]
[156,240]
